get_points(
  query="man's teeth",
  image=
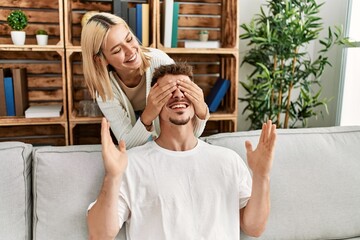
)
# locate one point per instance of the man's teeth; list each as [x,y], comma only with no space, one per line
[178,106]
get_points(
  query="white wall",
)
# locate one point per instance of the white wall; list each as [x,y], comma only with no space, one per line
[333,13]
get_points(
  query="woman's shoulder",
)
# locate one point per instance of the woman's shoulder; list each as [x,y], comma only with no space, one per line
[158,58]
[154,52]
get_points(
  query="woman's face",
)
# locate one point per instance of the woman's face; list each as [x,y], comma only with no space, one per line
[121,49]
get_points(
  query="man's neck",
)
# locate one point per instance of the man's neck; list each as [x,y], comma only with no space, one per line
[179,138]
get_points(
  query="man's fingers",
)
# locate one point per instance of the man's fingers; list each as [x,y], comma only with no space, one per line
[262,134]
[266,131]
[273,135]
[104,129]
[248,146]
[122,146]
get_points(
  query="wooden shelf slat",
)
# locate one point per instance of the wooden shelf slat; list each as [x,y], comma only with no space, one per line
[11,47]
[13,121]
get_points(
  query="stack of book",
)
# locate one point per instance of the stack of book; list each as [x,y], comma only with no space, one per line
[137,16]
[169,19]
[13,92]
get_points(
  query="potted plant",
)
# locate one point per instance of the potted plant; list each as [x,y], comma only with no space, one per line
[285,84]
[17,20]
[203,35]
[41,37]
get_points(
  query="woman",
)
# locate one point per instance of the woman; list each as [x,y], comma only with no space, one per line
[118,73]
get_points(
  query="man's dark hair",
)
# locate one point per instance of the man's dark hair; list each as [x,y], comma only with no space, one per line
[179,68]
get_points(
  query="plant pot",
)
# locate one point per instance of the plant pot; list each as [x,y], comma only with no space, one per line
[203,37]
[18,37]
[42,39]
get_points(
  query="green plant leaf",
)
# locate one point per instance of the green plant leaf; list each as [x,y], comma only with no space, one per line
[17,20]
[276,33]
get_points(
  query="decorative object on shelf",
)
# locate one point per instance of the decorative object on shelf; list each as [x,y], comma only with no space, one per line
[203,35]
[43,111]
[201,44]
[17,20]
[42,37]
[89,108]
[285,85]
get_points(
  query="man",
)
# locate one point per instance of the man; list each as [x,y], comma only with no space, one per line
[179,187]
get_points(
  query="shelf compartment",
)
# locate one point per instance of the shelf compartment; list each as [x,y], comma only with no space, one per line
[218,17]
[77,89]
[76,10]
[86,133]
[38,135]
[45,76]
[47,15]
[73,15]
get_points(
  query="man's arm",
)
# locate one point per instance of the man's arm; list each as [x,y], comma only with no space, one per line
[103,221]
[253,217]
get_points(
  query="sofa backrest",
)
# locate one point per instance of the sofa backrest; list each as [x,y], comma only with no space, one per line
[314,186]
[65,181]
[15,191]
[315,181]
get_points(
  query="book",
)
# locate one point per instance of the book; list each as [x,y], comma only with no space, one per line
[20,90]
[217,94]
[120,8]
[201,44]
[9,96]
[43,111]
[139,21]
[132,19]
[174,36]
[124,11]
[2,93]
[167,18]
[145,24]
[116,7]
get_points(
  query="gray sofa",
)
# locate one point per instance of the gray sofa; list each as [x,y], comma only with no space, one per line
[315,193]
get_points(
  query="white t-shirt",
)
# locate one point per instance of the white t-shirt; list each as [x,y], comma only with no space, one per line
[193,194]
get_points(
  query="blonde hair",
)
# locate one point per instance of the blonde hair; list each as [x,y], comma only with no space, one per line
[96,71]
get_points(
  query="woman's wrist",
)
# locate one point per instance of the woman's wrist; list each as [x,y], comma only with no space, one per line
[146,125]
[204,114]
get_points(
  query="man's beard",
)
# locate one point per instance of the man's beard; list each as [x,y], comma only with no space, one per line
[179,122]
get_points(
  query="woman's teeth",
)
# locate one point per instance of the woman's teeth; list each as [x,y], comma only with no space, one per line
[132,58]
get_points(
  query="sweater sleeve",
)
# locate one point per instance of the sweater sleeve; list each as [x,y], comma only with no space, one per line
[120,123]
[199,124]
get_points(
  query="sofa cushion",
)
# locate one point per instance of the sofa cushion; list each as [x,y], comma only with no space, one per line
[15,190]
[315,182]
[65,181]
